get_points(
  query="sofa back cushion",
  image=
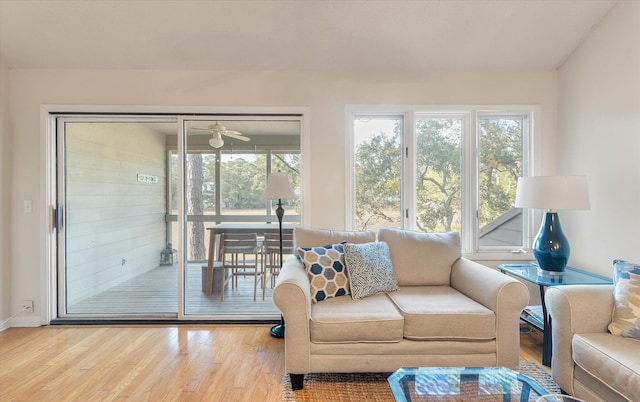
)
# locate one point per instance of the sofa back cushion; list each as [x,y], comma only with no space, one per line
[421,259]
[303,237]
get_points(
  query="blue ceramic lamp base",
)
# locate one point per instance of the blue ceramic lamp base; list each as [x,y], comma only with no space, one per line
[551,247]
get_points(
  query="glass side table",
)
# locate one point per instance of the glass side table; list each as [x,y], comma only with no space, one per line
[463,384]
[571,276]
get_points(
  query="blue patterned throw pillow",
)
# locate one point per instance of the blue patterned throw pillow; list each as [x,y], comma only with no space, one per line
[326,271]
[626,313]
[370,269]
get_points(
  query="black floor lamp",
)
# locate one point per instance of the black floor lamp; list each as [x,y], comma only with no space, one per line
[279,188]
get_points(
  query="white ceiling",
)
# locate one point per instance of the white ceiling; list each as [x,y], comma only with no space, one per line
[370,35]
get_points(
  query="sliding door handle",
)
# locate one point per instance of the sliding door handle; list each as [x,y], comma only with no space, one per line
[57,218]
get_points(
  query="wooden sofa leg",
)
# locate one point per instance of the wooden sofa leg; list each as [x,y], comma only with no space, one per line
[297,381]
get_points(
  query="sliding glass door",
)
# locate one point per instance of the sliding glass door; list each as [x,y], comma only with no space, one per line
[225,178]
[113,191]
[139,197]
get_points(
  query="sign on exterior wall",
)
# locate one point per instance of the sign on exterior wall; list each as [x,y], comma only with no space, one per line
[147,178]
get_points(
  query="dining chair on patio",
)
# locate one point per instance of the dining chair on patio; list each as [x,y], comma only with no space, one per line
[240,254]
[271,253]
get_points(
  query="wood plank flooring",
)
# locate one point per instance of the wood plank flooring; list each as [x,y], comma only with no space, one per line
[155,293]
[151,363]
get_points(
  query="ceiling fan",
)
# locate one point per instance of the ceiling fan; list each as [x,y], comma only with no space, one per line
[217,131]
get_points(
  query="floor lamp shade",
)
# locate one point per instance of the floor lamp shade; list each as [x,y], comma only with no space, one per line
[279,188]
[551,193]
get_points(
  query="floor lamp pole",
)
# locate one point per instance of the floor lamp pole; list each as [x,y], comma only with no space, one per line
[277,331]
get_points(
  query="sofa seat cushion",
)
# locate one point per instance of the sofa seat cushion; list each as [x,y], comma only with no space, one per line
[441,312]
[344,320]
[611,359]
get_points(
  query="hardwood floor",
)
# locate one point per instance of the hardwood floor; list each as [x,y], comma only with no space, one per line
[531,346]
[151,363]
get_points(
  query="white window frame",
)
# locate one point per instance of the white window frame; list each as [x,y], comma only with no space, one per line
[470,158]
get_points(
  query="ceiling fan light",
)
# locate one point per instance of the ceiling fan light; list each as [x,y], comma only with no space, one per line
[216,141]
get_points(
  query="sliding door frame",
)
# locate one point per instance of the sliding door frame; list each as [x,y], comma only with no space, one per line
[61,203]
[50,115]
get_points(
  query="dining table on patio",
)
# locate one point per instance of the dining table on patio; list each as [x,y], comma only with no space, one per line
[214,254]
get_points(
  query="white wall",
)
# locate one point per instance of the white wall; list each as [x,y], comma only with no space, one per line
[599,136]
[5,270]
[325,93]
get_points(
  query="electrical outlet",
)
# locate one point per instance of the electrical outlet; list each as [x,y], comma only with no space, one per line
[27,305]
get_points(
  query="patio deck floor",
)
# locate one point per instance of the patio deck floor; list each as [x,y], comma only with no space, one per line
[155,294]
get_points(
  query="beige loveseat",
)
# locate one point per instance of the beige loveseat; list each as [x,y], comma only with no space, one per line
[448,311]
[587,361]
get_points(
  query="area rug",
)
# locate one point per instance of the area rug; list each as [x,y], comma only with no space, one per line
[373,387]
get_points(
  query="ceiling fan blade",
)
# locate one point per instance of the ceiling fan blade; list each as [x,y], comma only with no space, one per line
[236,135]
[199,129]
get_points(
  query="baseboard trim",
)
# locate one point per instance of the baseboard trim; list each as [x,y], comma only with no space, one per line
[124,321]
[23,322]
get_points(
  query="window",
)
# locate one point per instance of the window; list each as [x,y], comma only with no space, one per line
[438,173]
[436,169]
[378,161]
[501,145]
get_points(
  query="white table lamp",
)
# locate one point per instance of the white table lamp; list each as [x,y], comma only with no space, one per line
[552,193]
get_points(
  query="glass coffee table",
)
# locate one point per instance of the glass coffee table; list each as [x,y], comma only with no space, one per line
[463,384]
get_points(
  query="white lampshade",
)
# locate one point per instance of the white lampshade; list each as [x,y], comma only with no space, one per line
[278,187]
[216,141]
[552,192]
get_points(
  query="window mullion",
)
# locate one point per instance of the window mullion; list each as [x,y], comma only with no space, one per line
[469,195]
[408,199]
[527,170]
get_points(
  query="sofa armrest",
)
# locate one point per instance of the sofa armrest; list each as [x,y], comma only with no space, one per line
[488,286]
[575,309]
[292,296]
[505,296]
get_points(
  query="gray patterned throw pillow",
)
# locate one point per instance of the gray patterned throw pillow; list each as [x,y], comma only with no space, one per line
[370,269]
[626,314]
